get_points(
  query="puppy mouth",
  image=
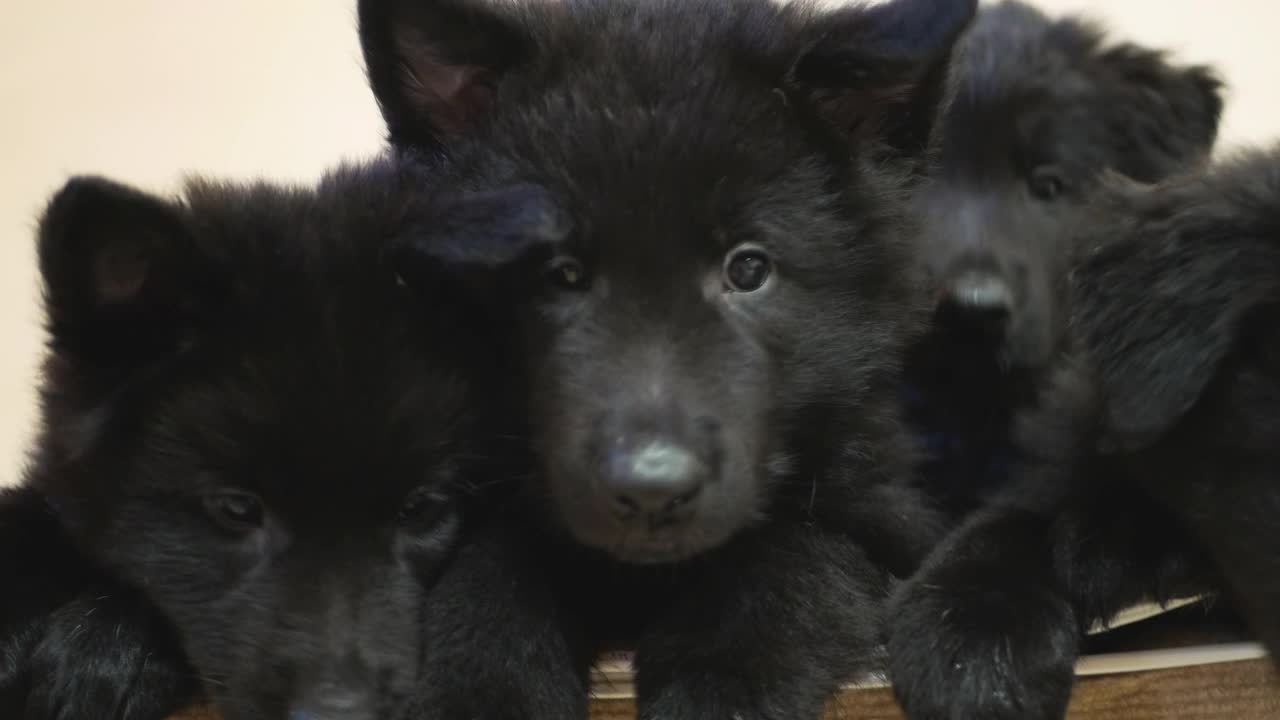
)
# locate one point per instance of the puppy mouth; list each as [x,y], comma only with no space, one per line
[639,546]
[593,520]
[640,542]
[654,552]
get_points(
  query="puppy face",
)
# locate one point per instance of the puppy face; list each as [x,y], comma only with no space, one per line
[668,358]
[1040,109]
[246,420]
[723,256]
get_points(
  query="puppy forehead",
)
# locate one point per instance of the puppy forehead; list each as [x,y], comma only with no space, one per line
[1014,56]
[698,196]
[1005,133]
[638,40]
[608,133]
[660,185]
[359,418]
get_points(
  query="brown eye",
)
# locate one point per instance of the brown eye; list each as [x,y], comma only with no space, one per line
[746,270]
[1046,184]
[235,511]
[567,273]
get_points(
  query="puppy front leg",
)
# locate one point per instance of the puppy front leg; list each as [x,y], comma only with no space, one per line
[499,645]
[767,629]
[990,626]
[983,630]
[108,654]
[74,643]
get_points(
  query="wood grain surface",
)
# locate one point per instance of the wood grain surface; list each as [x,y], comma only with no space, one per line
[1245,690]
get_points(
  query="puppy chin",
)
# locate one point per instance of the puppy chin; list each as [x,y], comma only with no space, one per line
[653,553]
[637,545]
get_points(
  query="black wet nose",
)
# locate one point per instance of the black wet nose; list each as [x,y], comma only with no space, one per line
[978,299]
[980,290]
[653,478]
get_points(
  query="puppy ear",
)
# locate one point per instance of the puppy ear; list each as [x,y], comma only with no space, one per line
[118,281]
[434,65]
[1167,296]
[1162,118]
[483,232]
[878,72]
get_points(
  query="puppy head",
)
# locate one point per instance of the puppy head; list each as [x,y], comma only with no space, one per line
[245,418]
[1040,108]
[723,253]
[1175,279]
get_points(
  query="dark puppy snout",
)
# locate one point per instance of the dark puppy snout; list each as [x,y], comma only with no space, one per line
[346,690]
[653,476]
[656,463]
[978,293]
[980,290]
[334,702]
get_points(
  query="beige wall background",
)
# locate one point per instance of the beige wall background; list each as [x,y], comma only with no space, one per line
[148,90]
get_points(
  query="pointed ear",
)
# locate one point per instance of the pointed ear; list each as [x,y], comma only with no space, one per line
[483,233]
[1163,119]
[434,65]
[1167,297]
[115,264]
[879,72]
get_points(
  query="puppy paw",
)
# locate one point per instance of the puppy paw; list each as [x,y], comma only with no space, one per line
[106,656]
[960,652]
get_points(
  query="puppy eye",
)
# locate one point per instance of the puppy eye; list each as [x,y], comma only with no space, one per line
[234,510]
[567,273]
[1046,183]
[746,270]
[423,509]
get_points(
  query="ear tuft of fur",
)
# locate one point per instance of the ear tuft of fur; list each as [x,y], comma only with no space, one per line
[1163,118]
[879,72]
[472,238]
[1167,291]
[434,65]
[115,262]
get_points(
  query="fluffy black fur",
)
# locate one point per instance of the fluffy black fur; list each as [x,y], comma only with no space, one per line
[1039,109]
[1151,467]
[252,431]
[1178,310]
[726,477]
[74,642]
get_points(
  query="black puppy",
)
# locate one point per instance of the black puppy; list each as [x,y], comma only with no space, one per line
[1149,471]
[713,319]
[1177,307]
[1039,109]
[250,453]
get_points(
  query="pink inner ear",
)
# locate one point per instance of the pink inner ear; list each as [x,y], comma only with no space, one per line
[448,93]
[120,271]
